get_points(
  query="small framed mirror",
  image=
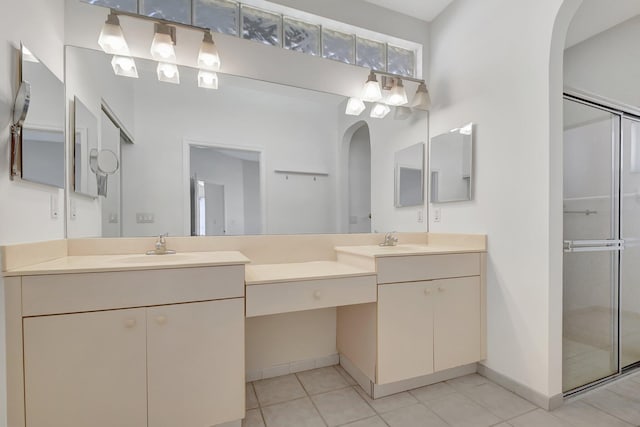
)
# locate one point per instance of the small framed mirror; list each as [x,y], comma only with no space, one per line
[85,142]
[450,165]
[38,143]
[409,176]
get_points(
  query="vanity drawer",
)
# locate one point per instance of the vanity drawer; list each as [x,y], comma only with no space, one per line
[72,293]
[286,297]
[427,267]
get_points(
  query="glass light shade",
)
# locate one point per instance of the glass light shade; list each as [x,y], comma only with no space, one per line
[397,95]
[168,73]
[162,48]
[379,111]
[355,107]
[422,100]
[207,79]
[112,39]
[371,91]
[124,66]
[208,57]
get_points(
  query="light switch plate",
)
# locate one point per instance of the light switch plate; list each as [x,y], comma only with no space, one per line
[144,218]
[53,206]
[437,215]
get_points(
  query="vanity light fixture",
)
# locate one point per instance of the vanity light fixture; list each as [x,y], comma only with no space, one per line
[208,57]
[207,79]
[379,111]
[124,66]
[168,73]
[421,100]
[355,107]
[397,95]
[111,38]
[371,91]
[163,45]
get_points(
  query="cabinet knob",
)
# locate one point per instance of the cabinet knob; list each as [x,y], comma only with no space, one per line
[317,295]
[427,291]
[440,289]
[130,323]
[161,320]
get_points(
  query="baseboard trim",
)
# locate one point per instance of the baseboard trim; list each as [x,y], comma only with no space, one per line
[548,403]
[292,367]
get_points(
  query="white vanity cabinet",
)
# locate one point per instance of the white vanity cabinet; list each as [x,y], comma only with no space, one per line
[429,317]
[156,348]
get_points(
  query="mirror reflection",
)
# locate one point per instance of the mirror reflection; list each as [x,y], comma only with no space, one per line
[409,167]
[450,165]
[251,157]
[85,142]
[43,129]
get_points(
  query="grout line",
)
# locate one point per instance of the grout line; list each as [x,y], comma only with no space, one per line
[434,412]
[603,411]
[308,396]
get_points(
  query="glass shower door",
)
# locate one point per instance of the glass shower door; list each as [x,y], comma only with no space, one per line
[629,264]
[591,244]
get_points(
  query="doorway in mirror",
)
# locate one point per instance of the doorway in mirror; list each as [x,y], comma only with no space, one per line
[360,180]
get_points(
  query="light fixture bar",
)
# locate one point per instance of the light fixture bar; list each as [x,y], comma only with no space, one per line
[158,20]
[398,76]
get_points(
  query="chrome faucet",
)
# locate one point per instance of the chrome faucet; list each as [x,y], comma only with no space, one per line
[161,246]
[389,239]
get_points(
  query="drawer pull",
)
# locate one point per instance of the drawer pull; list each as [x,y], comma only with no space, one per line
[130,323]
[161,320]
[317,295]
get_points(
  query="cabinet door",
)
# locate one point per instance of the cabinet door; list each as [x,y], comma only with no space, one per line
[196,363]
[457,322]
[405,331]
[86,369]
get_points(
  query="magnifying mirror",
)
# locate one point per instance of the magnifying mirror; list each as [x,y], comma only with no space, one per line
[21,104]
[103,163]
[20,110]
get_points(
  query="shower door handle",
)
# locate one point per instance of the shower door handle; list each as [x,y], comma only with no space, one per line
[593,245]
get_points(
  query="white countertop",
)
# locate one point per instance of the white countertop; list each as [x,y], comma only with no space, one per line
[377,251]
[315,270]
[106,263]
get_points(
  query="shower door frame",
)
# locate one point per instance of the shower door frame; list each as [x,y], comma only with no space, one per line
[621,112]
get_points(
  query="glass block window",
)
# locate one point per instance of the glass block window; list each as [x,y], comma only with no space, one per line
[301,37]
[401,61]
[170,10]
[221,16]
[261,26]
[338,46]
[371,54]
[125,5]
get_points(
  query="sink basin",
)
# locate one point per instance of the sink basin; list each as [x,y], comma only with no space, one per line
[153,259]
[402,247]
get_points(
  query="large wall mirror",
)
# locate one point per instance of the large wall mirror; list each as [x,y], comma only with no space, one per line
[450,165]
[409,173]
[43,142]
[251,157]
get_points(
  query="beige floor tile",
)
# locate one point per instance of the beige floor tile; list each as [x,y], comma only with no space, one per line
[322,380]
[348,378]
[460,411]
[251,399]
[499,401]
[413,416]
[253,419]
[464,382]
[342,406]
[278,390]
[369,422]
[616,405]
[635,377]
[433,391]
[297,413]
[389,403]
[503,425]
[626,387]
[538,418]
[581,414]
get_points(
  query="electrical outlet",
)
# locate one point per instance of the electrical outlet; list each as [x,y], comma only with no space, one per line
[53,204]
[72,210]
[437,215]
[144,218]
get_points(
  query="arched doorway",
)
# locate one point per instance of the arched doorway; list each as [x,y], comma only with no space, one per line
[358,143]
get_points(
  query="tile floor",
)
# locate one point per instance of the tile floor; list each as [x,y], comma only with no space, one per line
[330,397]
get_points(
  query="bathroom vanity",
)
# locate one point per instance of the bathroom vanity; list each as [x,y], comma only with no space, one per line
[143,340]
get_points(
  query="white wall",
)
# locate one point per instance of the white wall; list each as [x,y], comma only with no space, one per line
[491,66]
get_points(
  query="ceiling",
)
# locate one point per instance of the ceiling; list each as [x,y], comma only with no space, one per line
[425,10]
[596,16]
